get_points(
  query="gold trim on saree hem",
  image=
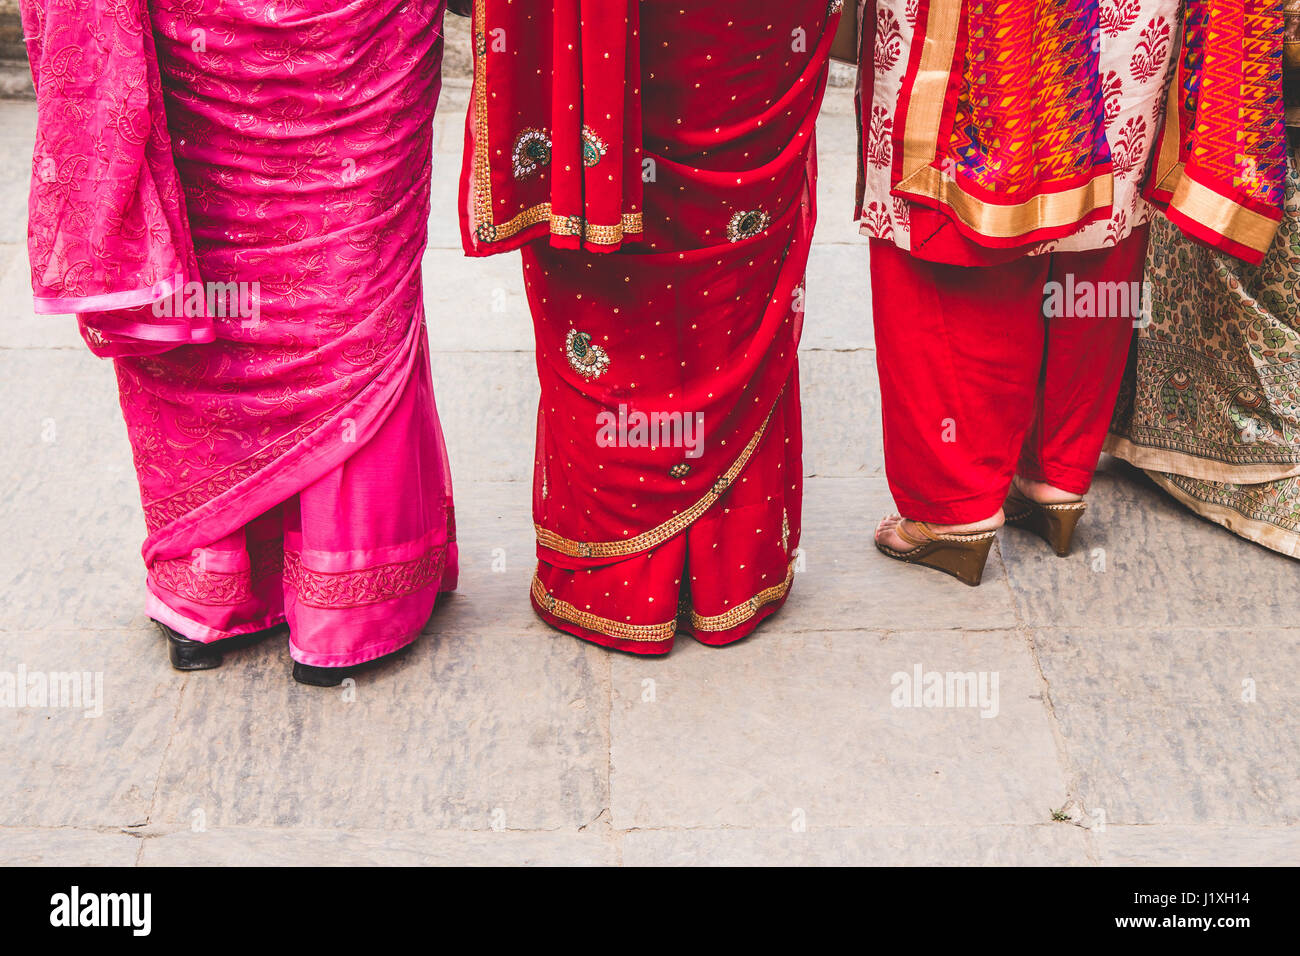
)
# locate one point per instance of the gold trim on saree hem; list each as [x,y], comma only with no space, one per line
[654,633]
[600,625]
[601,234]
[669,529]
[741,613]
[922,124]
[1220,215]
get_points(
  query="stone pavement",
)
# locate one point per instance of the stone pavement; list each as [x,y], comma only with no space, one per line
[1146,685]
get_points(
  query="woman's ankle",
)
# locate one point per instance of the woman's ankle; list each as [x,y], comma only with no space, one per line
[991,523]
[1043,493]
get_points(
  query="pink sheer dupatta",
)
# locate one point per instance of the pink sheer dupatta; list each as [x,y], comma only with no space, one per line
[108,234]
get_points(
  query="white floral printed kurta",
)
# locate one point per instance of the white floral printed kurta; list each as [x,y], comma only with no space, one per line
[1138,43]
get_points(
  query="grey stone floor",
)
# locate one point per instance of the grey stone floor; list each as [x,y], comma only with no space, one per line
[1146,685]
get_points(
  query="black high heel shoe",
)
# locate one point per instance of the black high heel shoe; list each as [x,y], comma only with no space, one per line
[188,655]
[315,676]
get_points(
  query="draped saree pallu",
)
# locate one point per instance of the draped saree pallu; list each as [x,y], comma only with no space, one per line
[277,394]
[660,184]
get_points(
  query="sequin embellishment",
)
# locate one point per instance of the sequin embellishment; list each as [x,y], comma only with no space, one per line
[589,361]
[531,152]
[746,225]
[593,147]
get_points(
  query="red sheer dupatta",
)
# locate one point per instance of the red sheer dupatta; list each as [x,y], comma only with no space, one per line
[108,233]
[543,125]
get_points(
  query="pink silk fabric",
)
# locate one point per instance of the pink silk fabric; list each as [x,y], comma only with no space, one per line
[292,469]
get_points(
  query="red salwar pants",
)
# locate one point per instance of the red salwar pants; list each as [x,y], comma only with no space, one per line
[982,377]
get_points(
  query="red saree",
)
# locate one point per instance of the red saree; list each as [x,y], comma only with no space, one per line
[668,477]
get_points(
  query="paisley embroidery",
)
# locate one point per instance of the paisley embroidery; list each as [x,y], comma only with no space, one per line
[532,151]
[589,361]
[593,147]
[746,225]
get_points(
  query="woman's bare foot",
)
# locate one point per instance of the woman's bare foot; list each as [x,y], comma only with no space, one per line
[1042,492]
[887,531]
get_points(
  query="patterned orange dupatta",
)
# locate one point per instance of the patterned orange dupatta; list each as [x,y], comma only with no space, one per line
[1221,156]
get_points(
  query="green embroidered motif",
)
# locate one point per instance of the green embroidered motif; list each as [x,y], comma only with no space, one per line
[746,225]
[593,147]
[589,361]
[531,152]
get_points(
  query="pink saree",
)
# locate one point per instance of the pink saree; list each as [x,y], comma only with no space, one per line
[267,323]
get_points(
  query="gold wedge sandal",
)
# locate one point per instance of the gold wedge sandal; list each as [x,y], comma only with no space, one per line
[1054,523]
[963,555]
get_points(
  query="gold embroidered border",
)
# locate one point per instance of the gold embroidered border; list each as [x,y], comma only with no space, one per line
[921,146]
[671,527]
[482,166]
[601,625]
[595,233]
[660,632]
[1221,215]
[743,612]
[484,228]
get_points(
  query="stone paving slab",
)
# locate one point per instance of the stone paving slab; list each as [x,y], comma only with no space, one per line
[71,512]
[279,847]
[64,766]
[1142,560]
[66,847]
[846,583]
[1179,726]
[785,728]
[1197,846]
[1042,845]
[463,732]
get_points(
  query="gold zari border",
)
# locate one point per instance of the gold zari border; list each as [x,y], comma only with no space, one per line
[735,617]
[601,625]
[670,528]
[483,227]
[743,612]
